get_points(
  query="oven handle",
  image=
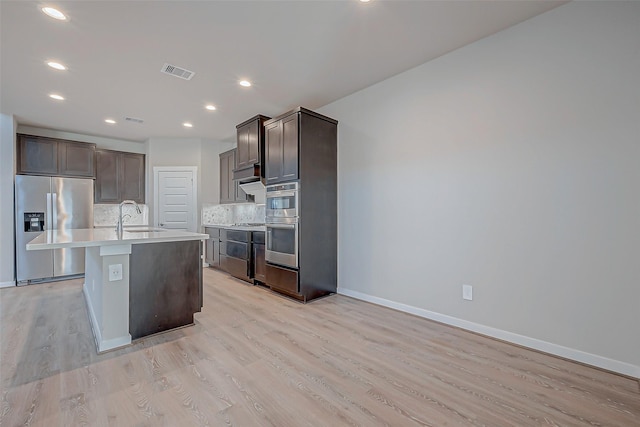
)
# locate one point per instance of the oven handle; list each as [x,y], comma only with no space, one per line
[285,226]
[285,193]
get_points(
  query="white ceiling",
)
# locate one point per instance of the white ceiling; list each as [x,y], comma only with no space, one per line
[296,53]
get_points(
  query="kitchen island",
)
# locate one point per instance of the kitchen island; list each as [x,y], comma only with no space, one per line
[138,282]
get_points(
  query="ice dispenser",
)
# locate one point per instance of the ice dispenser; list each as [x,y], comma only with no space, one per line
[33,221]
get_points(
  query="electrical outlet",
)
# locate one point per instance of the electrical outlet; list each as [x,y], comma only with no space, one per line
[115,272]
[467,292]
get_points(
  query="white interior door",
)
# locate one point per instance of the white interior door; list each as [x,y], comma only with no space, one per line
[175,198]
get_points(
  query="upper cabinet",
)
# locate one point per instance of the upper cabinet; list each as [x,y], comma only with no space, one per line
[119,176]
[281,145]
[250,149]
[39,155]
[293,140]
[230,191]
[76,159]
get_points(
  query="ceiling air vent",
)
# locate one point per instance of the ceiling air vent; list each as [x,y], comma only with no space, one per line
[177,71]
[133,120]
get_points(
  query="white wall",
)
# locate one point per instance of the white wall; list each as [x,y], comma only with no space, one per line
[511,165]
[7,172]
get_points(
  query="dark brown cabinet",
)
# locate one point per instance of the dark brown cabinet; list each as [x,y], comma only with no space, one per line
[281,146]
[301,145]
[259,263]
[38,155]
[230,191]
[76,159]
[250,149]
[119,176]
[212,247]
[165,287]
[235,255]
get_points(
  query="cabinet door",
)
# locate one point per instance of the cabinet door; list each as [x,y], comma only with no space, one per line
[259,264]
[132,177]
[76,159]
[273,148]
[107,188]
[253,142]
[227,189]
[238,193]
[119,176]
[37,155]
[243,147]
[208,250]
[290,140]
[215,254]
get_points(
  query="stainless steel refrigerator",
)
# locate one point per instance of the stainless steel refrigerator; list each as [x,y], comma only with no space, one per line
[48,203]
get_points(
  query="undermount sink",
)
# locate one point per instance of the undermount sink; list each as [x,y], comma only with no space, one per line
[143,229]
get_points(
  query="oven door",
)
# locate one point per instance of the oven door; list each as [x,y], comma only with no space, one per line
[282,245]
[282,204]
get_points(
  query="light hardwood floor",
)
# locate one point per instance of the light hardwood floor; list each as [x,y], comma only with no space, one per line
[254,358]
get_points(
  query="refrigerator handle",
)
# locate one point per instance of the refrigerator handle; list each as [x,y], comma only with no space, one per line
[47,214]
[54,211]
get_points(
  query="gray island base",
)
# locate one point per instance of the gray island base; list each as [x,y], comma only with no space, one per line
[136,283]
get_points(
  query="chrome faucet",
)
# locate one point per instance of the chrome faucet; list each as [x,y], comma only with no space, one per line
[126,202]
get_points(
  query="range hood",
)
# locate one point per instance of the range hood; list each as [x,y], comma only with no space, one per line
[247,174]
[257,189]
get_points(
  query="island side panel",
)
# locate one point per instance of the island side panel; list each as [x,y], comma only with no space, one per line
[107,300]
[92,289]
[165,286]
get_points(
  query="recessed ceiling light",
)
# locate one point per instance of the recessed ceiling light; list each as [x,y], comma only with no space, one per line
[56,65]
[364,1]
[245,83]
[110,121]
[210,107]
[56,96]
[187,125]
[54,13]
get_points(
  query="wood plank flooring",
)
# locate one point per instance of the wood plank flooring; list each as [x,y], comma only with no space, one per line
[254,358]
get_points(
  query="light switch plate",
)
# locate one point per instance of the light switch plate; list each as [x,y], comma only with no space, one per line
[115,272]
[467,292]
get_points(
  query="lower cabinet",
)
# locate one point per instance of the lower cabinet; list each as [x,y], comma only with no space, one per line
[212,247]
[235,254]
[165,288]
[259,263]
[282,279]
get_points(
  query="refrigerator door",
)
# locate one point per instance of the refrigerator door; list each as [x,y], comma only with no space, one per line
[32,195]
[72,207]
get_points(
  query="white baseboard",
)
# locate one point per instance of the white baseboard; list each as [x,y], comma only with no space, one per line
[533,343]
[114,343]
[7,284]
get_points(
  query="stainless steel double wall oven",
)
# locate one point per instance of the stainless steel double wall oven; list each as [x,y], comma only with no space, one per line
[282,222]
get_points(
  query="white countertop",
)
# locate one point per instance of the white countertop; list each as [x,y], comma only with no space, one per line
[84,237]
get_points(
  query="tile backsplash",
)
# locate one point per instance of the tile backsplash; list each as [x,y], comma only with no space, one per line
[232,213]
[105,215]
